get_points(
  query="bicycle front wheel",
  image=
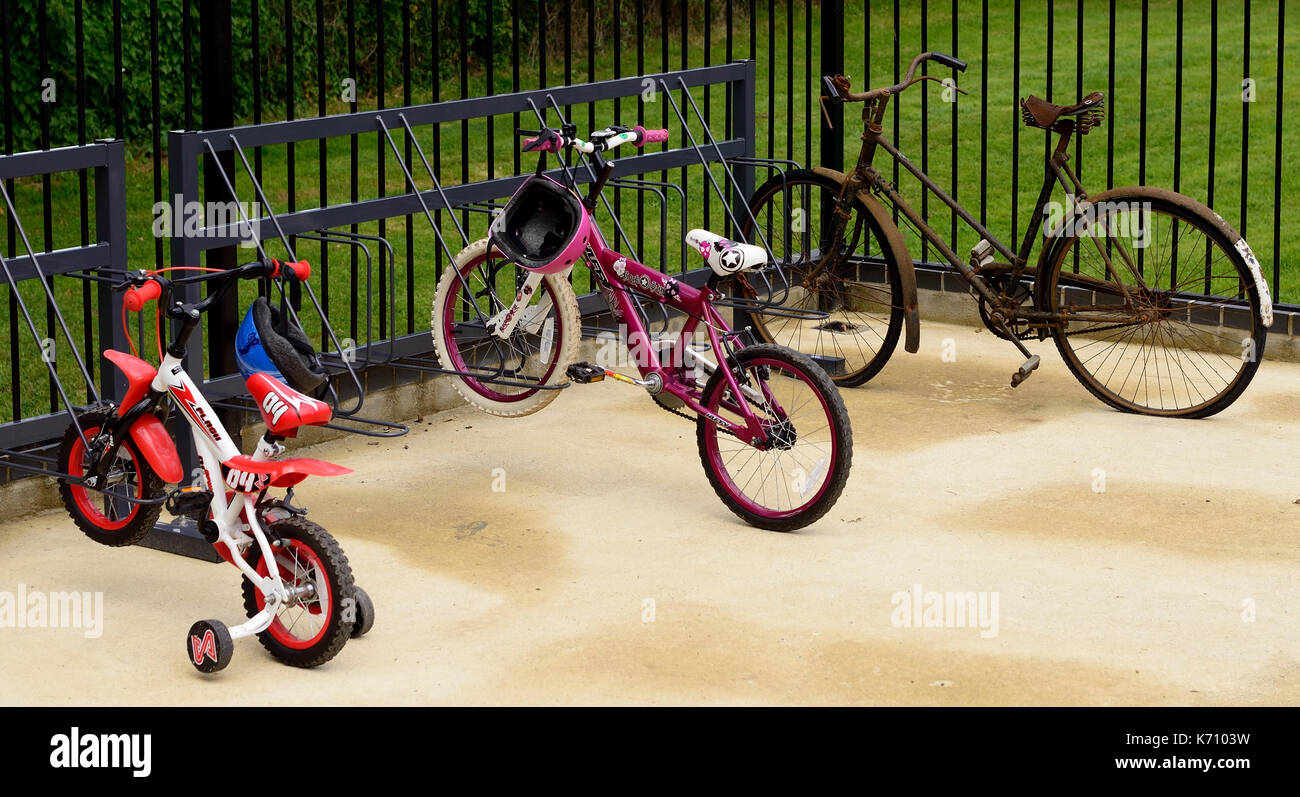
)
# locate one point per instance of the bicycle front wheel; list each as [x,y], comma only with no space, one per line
[503,377]
[797,475]
[862,297]
[310,629]
[1160,313]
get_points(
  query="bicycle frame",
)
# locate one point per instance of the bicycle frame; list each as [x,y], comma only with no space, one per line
[214,446]
[618,276]
[1057,170]
[235,517]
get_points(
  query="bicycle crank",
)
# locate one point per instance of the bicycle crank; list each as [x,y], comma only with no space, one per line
[586,373]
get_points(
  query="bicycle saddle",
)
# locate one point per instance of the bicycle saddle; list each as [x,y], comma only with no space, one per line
[1042,114]
[285,409]
[726,257]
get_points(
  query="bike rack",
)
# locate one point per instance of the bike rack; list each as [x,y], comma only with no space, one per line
[28,461]
[339,362]
[771,306]
[495,376]
[89,263]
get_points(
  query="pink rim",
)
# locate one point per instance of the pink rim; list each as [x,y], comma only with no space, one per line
[720,469]
[277,628]
[458,362]
[81,496]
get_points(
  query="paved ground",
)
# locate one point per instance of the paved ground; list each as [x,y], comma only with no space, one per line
[1176,585]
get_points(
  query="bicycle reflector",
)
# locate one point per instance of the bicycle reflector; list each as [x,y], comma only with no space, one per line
[543,227]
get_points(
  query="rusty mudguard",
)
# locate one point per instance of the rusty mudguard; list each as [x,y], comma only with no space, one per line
[900,256]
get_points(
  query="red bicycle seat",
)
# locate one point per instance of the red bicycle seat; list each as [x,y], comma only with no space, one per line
[285,409]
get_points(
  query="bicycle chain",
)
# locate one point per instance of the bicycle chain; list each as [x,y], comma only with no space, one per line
[681,414]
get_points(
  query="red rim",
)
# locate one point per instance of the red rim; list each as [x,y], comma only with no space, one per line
[307,563]
[719,468]
[83,497]
[458,362]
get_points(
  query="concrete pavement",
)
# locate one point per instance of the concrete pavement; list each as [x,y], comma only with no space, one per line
[1132,561]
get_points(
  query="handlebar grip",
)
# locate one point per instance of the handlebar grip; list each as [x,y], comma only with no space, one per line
[536,145]
[299,271]
[136,298]
[949,61]
[656,136]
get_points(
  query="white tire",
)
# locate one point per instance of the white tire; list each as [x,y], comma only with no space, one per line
[555,329]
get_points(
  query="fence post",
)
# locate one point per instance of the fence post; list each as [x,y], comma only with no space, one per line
[743,126]
[217,64]
[110,227]
[832,63]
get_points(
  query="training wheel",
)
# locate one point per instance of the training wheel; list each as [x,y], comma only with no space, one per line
[365,613]
[209,646]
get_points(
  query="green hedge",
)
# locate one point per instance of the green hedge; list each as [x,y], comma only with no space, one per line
[23,31]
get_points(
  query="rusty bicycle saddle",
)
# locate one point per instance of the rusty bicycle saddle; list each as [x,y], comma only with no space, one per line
[1040,113]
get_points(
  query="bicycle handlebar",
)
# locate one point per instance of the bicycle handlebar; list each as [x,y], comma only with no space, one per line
[949,61]
[838,86]
[145,287]
[551,140]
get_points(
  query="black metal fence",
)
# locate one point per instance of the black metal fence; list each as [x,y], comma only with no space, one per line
[1196,97]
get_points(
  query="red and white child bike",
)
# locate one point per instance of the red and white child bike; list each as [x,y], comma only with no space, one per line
[119,457]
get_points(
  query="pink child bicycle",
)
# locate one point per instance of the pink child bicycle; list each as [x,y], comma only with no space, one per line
[772,429]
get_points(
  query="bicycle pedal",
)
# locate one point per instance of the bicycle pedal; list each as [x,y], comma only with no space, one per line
[1025,371]
[189,502]
[584,373]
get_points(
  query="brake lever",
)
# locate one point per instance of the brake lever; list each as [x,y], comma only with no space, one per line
[131,279]
[952,85]
[825,114]
[544,136]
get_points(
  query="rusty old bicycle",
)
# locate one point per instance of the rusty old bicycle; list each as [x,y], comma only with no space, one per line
[1156,304]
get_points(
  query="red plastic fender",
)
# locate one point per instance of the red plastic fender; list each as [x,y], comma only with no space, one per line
[158,448]
[281,472]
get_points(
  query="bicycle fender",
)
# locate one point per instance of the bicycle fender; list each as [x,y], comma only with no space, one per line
[157,447]
[903,259]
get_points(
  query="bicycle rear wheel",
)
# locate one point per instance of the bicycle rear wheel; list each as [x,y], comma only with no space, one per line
[1173,326]
[863,296]
[543,344]
[799,474]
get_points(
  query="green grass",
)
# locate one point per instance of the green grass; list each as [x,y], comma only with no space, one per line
[795,135]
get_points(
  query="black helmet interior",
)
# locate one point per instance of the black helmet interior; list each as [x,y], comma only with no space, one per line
[287,345]
[538,223]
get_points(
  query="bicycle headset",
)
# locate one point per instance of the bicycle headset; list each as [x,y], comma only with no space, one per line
[270,341]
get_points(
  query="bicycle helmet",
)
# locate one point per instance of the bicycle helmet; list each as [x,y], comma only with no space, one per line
[270,341]
[543,227]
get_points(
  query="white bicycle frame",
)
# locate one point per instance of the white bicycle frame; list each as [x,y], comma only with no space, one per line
[215,446]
